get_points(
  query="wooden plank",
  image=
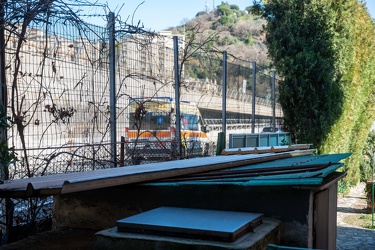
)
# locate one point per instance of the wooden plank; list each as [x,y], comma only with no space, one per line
[176,168]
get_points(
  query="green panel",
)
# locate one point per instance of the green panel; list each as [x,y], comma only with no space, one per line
[258,140]
[251,141]
[283,182]
[238,142]
[263,142]
[273,140]
[220,143]
[288,138]
[281,138]
[280,178]
[275,182]
[275,247]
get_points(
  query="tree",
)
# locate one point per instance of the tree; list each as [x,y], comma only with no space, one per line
[300,44]
[201,13]
[234,7]
[325,52]
[224,10]
[368,158]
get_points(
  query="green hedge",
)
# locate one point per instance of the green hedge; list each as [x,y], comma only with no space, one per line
[324,51]
[355,44]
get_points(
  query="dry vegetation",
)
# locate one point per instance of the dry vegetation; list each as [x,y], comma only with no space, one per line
[241,37]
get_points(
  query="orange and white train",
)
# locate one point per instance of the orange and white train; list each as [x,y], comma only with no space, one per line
[151,132]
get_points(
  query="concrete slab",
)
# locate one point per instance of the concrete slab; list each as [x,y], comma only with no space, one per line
[268,232]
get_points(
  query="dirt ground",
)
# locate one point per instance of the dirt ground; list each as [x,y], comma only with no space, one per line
[67,239]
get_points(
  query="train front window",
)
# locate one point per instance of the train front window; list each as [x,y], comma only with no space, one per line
[156,120]
[190,122]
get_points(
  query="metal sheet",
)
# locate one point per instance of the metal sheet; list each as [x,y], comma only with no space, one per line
[76,182]
[192,223]
[290,168]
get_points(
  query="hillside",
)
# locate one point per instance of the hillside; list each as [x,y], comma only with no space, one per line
[238,32]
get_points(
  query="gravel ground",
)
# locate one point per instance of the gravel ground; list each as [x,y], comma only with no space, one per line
[349,235]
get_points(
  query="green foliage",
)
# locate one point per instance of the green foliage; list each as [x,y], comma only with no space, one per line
[200,13]
[324,51]
[226,20]
[224,10]
[202,67]
[245,37]
[365,168]
[234,7]
[226,40]
[367,158]
[354,41]
[342,187]
[246,18]
[249,40]
[300,43]
[284,143]
[7,155]
[367,218]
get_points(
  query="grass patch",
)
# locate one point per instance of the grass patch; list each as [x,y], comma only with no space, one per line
[359,220]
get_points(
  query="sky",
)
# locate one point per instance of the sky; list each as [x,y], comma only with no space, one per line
[158,15]
[371,7]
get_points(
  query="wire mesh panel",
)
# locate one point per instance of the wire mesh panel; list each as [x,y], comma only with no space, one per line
[58,93]
[57,85]
[239,81]
[145,94]
[266,98]
[239,94]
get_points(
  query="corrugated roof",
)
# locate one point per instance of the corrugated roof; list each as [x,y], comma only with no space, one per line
[80,181]
[302,170]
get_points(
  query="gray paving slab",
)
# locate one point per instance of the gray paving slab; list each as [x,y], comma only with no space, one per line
[351,237]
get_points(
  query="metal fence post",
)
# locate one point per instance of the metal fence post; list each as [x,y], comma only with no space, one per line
[122,151]
[224,109]
[3,86]
[177,94]
[254,65]
[273,81]
[9,205]
[112,84]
